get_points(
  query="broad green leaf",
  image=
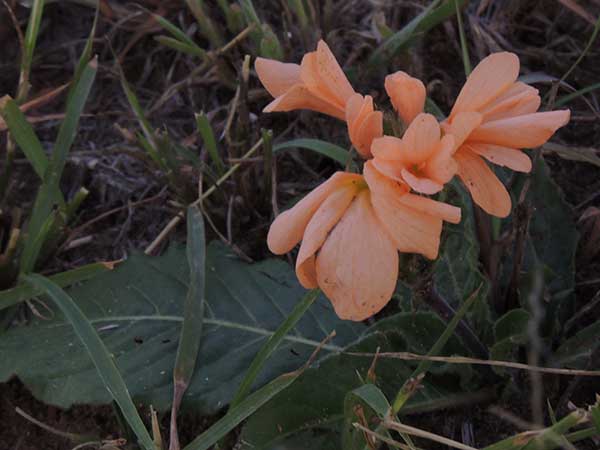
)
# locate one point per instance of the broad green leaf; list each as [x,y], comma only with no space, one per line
[102,359]
[316,400]
[271,345]
[137,308]
[510,332]
[456,272]
[328,149]
[511,324]
[242,411]
[552,223]
[365,404]
[576,351]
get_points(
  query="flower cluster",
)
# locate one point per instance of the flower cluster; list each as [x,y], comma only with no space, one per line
[352,226]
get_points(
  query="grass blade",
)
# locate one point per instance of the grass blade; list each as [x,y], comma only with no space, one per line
[86,54]
[271,345]
[328,149]
[567,98]
[31,35]
[22,132]
[49,194]
[409,386]
[433,15]
[208,137]
[244,410]
[25,292]
[463,40]
[182,47]
[191,330]
[103,361]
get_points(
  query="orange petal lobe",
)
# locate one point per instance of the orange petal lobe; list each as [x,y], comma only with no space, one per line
[388,148]
[492,76]
[407,95]
[519,99]
[422,185]
[462,125]
[526,131]
[332,74]
[411,230]
[483,184]
[288,227]
[300,97]
[420,139]
[503,156]
[357,267]
[277,77]
[321,223]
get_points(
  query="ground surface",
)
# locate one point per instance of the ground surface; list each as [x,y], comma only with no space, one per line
[129,205]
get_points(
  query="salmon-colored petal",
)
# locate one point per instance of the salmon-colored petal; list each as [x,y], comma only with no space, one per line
[420,139]
[387,148]
[288,227]
[357,267]
[371,128]
[503,156]
[332,74]
[492,76]
[483,184]
[307,272]
[323,220]
[309,74]
[461,126]
[353,109]
[441,167]
[299,97]
[277,77]
[422,185]
[527,131]
[384,186]
[411,230]
[407,95]
[391,169]
[519,99]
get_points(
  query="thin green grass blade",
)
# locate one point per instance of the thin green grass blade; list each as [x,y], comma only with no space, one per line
[49,195]
[408,388]
[31,35]
[206,24]
[585,50]
[86,54]
[572,96]
[328,149]
[208,137]
[433,15]
[193,316]
[271,345]
[244,410]
[68,128]
[100,356]
[25,292]
[463,40]
[191,330]
[22,132]
[177,32]
[182,47]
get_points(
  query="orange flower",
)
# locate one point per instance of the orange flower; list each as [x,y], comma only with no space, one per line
[364,124]
[351,228]
[319,84]
[420,159]
[407,95]
[494,118]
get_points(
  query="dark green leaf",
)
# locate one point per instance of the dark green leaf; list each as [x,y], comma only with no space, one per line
[328,149]
[576,352]
[97,352]
[138,309]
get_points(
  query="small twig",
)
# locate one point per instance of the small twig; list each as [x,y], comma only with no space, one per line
[381,437]
[401,428]
[533,356]
[407,356]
